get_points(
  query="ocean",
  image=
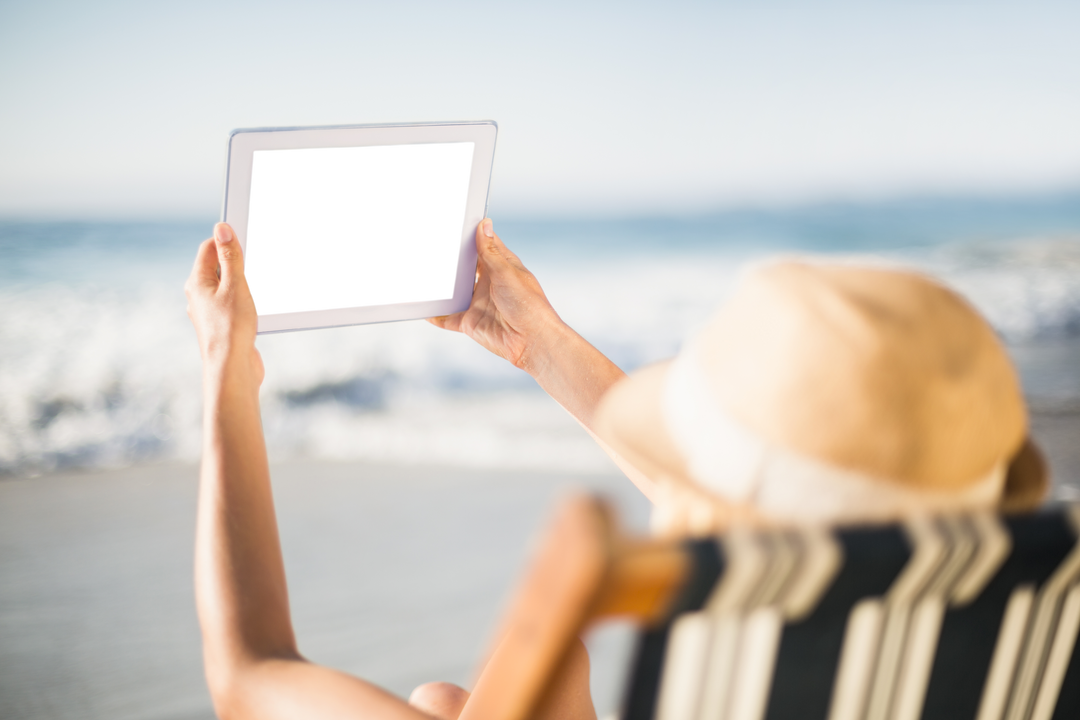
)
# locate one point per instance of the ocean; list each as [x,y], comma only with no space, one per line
[99,366]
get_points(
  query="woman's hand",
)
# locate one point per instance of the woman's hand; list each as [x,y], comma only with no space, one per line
[221,308]
[509,314]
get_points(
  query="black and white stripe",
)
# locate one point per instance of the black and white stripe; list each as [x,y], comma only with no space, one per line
[967,616]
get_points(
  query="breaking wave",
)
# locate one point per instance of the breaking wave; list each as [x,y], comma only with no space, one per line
[102,373]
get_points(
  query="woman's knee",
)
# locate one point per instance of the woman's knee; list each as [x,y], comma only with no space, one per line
[442,700]
[569,696]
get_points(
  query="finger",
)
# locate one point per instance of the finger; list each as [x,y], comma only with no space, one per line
[495,243]
[481,294]
[448,322]
[506,252]
[491,249]
[488,245]
[204,272]
[229,255]
[480,290]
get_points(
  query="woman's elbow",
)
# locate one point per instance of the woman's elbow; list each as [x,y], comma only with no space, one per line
[235,682]
[226,680]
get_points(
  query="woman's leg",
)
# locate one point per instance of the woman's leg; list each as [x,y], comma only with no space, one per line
[441,700]
[568,699]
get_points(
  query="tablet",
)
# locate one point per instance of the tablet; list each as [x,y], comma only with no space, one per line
[358,224]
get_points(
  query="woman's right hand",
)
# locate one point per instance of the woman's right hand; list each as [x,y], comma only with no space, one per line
[509,313]
[220,306]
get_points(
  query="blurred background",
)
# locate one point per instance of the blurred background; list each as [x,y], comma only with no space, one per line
[646,153]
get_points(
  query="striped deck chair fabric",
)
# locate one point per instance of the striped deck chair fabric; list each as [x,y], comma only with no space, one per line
[945,618]
[941,618]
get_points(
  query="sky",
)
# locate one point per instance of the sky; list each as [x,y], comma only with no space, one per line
[122,109]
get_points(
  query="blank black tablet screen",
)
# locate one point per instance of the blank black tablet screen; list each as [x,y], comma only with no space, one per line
[332,228]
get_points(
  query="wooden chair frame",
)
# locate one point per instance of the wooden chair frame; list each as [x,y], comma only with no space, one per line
[585,570]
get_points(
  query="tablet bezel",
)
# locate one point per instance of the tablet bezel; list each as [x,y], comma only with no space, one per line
[244,142]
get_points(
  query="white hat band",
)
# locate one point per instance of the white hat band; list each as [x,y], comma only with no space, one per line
[738,465]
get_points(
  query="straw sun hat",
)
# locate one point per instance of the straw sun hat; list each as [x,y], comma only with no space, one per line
[831,392]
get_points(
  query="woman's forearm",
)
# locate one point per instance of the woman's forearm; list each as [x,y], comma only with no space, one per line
[240,577]
[570,370]
[577,375]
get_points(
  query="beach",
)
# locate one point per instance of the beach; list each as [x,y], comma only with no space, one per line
[411,467]
[649,158]
[396,574]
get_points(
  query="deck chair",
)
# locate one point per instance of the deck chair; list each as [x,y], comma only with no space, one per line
[951,617]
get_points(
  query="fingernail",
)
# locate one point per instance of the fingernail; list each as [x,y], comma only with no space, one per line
[223,233]
[487,229]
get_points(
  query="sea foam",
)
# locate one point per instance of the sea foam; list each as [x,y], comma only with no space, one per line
[101,374]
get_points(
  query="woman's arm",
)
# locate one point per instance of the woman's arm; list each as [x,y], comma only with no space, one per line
[510,316]
[253,667]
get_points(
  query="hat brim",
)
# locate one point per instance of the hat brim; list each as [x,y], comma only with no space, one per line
[630,419]
[1028,479]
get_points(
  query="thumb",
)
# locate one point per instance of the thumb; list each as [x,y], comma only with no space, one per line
[230,256]
[448,322]
[487,244]
[491,249]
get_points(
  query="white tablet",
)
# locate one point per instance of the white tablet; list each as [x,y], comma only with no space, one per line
[358,224]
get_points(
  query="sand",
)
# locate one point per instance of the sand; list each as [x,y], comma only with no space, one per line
[396,574]
[1057,431]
